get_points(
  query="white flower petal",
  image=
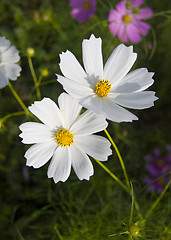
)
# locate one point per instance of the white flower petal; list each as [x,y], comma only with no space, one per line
[92,56]
[11,55]
[96,146]
[81,163]
[71,68]
[4,44]
[12,70]
[8,56]
[119,63]
[3,79]
[116,113]
[40,153]
[33,132]
[93,103]
[137,100]
[74,88]
[88,123]
[109,109]
[48,112]
[135,81]
[70,109]
[125,88]
[60,165]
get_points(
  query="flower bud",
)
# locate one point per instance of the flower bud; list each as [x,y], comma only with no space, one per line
[44,72]
[134,230]
[30,52]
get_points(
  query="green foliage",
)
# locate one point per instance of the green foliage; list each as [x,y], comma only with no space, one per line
[31,205]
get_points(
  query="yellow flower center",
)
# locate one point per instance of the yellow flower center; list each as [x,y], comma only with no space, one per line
[86,5]
[160,162]
[161,180]
[103,88]
[126,18]
[134,230]
[64,138]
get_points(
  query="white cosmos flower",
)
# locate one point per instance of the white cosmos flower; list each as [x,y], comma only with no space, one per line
[105,91]
[9,55]
[65,137]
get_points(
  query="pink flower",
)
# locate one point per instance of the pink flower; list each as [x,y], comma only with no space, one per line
[82,9]
[126,21]
[158,167]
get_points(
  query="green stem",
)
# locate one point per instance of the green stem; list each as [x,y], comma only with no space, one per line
[132,205]
[48,82]
[97,24]
[112,175]
[154,43]
[34,78]
[57,232]
[19,234]
[122,185]
[163,13]
[149,212]
[120,159]
[138,209]
[40,79]
[11,115]
[18,99]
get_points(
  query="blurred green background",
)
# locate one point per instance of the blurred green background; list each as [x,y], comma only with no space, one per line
[31,205]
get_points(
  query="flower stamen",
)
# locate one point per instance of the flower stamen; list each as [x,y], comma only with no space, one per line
[160,162]
[103,88]
[126,18]
[161,180]
[64,138]
[86,5]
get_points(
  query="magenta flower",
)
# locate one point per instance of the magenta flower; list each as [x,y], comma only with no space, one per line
[82,9]
[126,21]
[158,167]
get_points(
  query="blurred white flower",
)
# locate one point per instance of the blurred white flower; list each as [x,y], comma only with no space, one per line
[9,55]
[65,137]
[105,91]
